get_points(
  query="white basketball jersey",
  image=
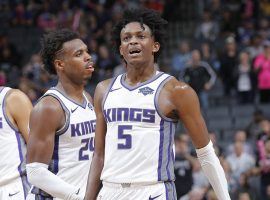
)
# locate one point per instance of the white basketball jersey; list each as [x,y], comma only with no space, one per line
[74,143]
[12,148]
[139,139]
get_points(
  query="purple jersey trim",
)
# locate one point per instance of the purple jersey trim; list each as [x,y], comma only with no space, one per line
[130,88]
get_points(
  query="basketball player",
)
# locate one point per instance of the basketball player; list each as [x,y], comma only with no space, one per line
[62,123]
[14,118]
[136,117]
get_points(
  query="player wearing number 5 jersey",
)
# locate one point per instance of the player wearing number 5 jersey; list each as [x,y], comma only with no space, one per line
[62,124]
[136,116]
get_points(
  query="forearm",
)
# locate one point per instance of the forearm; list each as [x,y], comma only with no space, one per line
[93,184]
[213,171]
[39,175]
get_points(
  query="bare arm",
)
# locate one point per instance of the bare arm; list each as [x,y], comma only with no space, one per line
[185,101]
[93,183]
[46,117]
[18,109]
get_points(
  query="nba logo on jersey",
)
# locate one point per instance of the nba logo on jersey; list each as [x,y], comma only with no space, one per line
[1,123]
[90,106]
[146,90]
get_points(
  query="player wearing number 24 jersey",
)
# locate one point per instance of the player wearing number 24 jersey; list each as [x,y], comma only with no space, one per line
[62,124]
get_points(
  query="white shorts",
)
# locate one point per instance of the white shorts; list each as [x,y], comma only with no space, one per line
[155,191]
[15,190]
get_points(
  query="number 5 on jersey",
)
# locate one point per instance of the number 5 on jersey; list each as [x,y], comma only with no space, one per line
[125,140]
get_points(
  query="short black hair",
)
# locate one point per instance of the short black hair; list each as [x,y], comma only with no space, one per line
[51,43]
[149,17]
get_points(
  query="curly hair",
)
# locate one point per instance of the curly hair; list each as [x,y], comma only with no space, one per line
[145,16]
[51,43]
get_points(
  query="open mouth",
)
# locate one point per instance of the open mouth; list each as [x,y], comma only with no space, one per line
[134,51]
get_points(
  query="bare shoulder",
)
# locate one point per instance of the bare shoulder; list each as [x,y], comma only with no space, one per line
[18,103]
[181,96]
[17,96]
[47,107]
[176,87]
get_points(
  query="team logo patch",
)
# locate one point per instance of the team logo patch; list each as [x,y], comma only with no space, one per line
[146,90]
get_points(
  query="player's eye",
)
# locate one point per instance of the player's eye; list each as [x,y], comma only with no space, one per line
[79,53]
[141,36]
[126,38]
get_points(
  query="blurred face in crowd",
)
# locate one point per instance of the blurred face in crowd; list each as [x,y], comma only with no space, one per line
[244,196]
[196,57]
[184,47]
[267,50]
[244,58]
[240,136]
[267,146]
[238,148]
[265,126]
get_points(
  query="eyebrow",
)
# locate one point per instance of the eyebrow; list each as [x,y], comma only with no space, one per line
[137,32]
[80,49]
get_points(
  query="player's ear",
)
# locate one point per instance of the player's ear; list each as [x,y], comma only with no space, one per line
[156,47]
[58,64]
[120,50]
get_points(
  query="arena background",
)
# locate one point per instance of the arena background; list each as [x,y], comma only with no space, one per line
[229,36]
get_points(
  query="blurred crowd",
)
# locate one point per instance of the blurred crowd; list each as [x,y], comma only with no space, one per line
[230,44]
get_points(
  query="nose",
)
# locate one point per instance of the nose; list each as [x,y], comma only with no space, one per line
[133,40]
[88,57]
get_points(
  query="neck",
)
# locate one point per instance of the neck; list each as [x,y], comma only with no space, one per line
[139,75]
[73,91]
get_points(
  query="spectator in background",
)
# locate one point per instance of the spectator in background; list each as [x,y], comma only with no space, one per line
[253,129]
[239,162]
[3,78]
[215,8]
[47,19]
[210,195]
[105,63]
[200,76]
[180,59]
[265,7]
[207,29]
[227,25]
[262,167]
[209,56]
[255,48]
[245,79]
[264,28]
[183,166]
[228,65]
[265,130]
[245,31]
[244,196]
[262,68]
[240,136]
[245,190]
[9,55]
